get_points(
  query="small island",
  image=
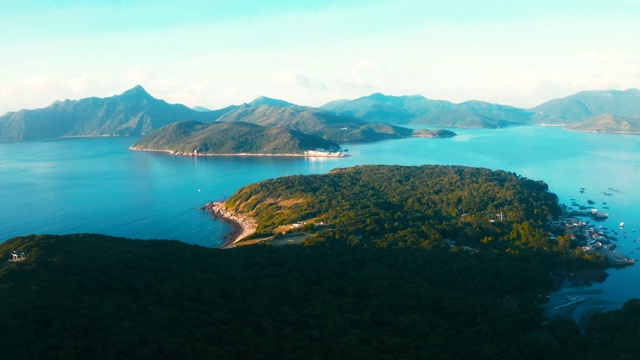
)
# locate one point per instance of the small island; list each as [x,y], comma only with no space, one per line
[438,133]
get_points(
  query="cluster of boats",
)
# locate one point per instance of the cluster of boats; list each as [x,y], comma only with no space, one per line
[594,239]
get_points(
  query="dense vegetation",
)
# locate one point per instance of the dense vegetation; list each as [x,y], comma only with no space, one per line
[617,332]
[93,296]
[230,138]
[409,206]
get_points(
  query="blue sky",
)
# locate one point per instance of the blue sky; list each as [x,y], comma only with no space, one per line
[217,53]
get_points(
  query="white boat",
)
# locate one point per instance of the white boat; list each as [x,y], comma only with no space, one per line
[622,224]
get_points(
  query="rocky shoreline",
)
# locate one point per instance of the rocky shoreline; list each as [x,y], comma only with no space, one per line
[241,226]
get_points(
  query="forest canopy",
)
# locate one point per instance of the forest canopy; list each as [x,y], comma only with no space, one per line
[94,296]
[427,206]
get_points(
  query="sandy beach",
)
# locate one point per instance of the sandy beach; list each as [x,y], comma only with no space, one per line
[242,226]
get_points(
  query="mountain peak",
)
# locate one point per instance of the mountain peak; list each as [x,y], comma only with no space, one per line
[263,100]
[378,96]
[137,91]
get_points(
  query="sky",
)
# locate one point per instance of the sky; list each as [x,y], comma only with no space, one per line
[217,53]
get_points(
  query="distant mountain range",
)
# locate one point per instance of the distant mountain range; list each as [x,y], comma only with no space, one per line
[369,118]
[587,104]
[196,138]
[418,110]
[133,112]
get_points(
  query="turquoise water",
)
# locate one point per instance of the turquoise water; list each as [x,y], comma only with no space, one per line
[97,185]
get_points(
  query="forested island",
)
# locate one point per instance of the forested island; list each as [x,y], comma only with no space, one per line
[442,262]
[426,206]
[241,138]
[437,133]
[237,138]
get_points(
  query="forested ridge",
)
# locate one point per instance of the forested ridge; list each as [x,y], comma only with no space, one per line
[99,297]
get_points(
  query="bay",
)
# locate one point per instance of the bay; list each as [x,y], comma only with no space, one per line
[97,185]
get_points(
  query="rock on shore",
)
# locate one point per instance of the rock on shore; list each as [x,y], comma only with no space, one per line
[242,226]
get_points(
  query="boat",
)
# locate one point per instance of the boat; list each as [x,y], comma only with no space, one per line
[622,224]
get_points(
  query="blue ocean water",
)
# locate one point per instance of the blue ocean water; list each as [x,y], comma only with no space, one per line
[97,185]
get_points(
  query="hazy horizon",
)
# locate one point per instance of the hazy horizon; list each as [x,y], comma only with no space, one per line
[219,53]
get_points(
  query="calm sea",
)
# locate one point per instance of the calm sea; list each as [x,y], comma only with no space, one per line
[97,185]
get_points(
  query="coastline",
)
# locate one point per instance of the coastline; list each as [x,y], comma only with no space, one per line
[241,226]
[604,131]
[307,153]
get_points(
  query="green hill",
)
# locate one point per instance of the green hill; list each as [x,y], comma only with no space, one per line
[608,123]
[384,108]
[587,104]
[192,137]
[133,112]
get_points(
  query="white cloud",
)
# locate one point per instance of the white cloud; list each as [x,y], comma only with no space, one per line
[135,76]
[630,70]
[288,78]
[612,70]
[81,84]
